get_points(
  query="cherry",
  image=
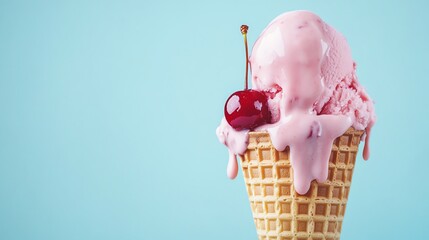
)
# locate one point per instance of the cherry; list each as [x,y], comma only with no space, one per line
[247,109]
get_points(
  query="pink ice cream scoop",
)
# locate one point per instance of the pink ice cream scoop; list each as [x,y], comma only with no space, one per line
[299,50]
[306,70]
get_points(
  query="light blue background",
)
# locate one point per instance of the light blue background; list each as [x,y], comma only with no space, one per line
[108,113]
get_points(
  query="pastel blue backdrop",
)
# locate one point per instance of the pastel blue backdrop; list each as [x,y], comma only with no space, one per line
[108,112]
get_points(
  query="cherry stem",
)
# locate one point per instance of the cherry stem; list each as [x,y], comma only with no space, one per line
[243,30]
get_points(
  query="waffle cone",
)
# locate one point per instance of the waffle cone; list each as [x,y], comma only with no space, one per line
[278,210]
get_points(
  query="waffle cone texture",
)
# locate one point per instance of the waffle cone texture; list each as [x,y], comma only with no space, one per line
[278,210]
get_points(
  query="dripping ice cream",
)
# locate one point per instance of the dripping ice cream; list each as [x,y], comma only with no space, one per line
[305,69]
[298,129]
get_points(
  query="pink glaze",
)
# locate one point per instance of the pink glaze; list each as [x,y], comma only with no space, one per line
[319,98]
[237,144]
[310,139]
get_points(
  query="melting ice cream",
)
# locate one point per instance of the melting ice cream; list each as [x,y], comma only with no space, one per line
[306,68]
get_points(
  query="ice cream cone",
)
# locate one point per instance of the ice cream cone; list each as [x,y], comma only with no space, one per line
[278,210]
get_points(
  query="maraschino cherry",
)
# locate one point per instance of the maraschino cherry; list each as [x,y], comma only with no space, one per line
[246,109]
